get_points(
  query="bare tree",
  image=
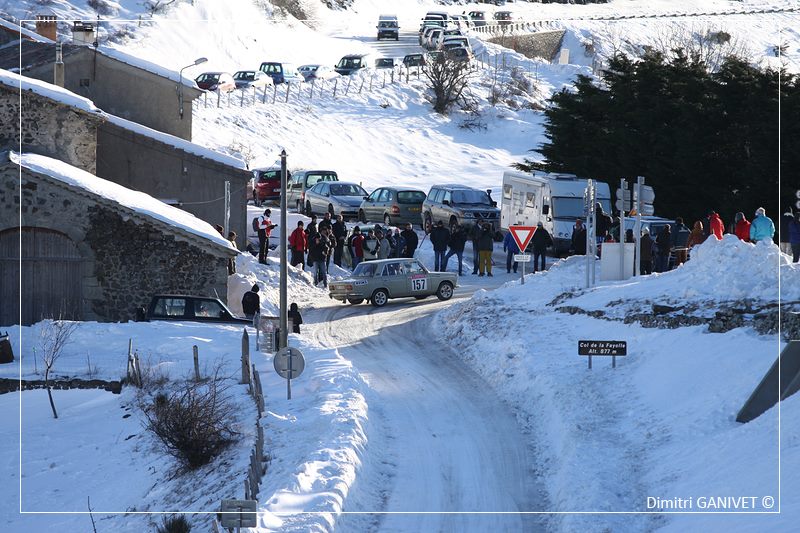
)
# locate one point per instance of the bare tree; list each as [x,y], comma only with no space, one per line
[53,337]
[448,80]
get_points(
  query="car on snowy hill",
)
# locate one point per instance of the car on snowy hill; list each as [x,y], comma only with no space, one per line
[392,206]
[388,27]
[352,63]
[414,60]
[384,62]
[245,79]
[459,204]
[316,72]
[215,81]
[378,281]
[180,307]
[336,198]
[477,18]
[266,185]
[281,72]
[301,182]
[458,54]
[503,18]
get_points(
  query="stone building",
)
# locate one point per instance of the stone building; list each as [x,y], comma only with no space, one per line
[116,82]
[92,249]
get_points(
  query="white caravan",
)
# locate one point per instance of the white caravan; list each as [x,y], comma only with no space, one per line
[555,200]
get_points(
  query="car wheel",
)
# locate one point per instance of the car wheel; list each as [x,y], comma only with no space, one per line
[380,297]
[453,223]
[428,222]
[387,220]
[362,217]
[355,301]
[308,209]
[445,291]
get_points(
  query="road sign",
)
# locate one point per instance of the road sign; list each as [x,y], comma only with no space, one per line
[602,348]
[648,194]
[289,362]
[238,513]
[522,235]
[522,258]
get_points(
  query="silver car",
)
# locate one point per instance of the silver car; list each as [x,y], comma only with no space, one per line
[378,281]
[392,206]
[336,198]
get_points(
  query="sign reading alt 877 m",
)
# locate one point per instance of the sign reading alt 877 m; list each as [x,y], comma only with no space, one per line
[602,348]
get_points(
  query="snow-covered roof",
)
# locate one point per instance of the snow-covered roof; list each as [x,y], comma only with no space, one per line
[135,200]
[147,65]
[177,142]
[48,90]
[32,35]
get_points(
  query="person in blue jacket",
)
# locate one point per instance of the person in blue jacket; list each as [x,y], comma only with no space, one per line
[511,248]
[761,228]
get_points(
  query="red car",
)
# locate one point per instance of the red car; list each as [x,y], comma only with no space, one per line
[267,185]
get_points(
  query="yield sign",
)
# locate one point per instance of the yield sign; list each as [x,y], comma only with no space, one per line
[523,235]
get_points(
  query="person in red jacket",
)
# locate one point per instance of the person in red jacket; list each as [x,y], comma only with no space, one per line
[742,227]
[715,225]
[298,244]
[356,246]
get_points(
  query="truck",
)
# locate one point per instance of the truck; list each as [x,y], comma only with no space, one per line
[554,199]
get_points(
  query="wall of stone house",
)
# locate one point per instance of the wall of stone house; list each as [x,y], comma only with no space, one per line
[169,174]
[125,91]
[48,128]
[125,259]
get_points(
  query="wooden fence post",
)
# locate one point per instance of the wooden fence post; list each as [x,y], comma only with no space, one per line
[196,363]
[274,93]
[335,85]
[245,357]
[288,86]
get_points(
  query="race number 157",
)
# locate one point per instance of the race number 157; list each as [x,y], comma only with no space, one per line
[419,284]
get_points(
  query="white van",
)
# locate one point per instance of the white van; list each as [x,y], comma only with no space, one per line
[555,200]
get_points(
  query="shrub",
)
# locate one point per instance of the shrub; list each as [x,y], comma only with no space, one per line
[174,524]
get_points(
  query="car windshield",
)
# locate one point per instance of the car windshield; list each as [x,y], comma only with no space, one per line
[571,207]
[364,270]
[471,196]
[410,197]
[350,62]
[268,175]
[347,189]
[387,24]
[313,179]
[243,75]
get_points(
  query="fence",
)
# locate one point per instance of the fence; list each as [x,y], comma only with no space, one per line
[258,460]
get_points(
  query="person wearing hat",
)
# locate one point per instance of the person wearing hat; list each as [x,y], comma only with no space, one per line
[265,227]
[251,302]
[540,241]
[578,239]
[761,228]
[646,245]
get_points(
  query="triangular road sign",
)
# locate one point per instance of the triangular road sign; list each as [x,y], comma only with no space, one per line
[523,235]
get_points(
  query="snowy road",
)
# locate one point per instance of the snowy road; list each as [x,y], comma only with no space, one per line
[440,441]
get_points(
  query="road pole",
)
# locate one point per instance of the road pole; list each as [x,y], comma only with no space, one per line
[226,226]
[284,321]
[637,228]
[623,185]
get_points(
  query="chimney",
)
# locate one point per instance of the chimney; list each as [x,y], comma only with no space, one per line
[46,26]
[58,68]
[83,32]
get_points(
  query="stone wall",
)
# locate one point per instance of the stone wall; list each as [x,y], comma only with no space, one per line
[126,256]
[48,128]
[544,44]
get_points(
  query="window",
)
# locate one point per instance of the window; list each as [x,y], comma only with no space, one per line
[346,189]
[530,199]
[393,269]
[170,307]
[364,270]
[434,195]
[471,197]
[374,196]
[313,179]
[317,189]
[384,196]
[447,196]
[410,197]
[413,267]
[207,308]
[507,191]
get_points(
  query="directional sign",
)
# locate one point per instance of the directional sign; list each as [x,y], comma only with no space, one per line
[289,362]
[602,348]
[522,235]
[238,513]
[648,194]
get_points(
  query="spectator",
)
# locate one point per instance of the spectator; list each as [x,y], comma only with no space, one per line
[510,248]
[741,227]
[439,239]
[786,219]
[219,229]
[339,229]
[298,244]
[456,243]
[398,243]
[715,225]
[370,246]
[317,251]
[794,237]
[697,236]
[540,241]
[679,238]
[232,260]
[579,238]
[485,248]
[251,302]
[646,244]
[411,240]
[356,246]
[384,247]
[762,228]
[663,248]
[628,235]
[603,223]
[477,231]
[265,227]
[295,317]
[326,222]
[311,229]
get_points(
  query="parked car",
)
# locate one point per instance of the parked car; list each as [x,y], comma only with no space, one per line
[458,53]
[191,308]
[427,34]
[384,62]
[215,81]
[477,18]
[352,63]
[414,60]
[267,184]
[458,204]
[316,72]
[503,18]
[392,206]
[281,72]
[336,198]
[458,41]
[388,27]
[378,281]
[433,56]
[251,78]
[301,181]
[428,24]
[434,38]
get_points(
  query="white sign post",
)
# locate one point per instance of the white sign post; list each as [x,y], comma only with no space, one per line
[289,363]
[522,236]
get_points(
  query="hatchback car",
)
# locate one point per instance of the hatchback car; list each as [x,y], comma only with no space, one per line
[378,281]
[458,54]
[267,184]
[392,206]
[281,72]
[216,81]
[459,204]
[336,198]
[352,63]
[414,60]
[251,78]
[301,182]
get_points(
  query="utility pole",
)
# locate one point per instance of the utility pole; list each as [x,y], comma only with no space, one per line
[284,321]
[623,185]
[637,227]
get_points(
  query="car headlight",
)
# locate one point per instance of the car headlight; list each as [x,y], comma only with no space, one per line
[469,215]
